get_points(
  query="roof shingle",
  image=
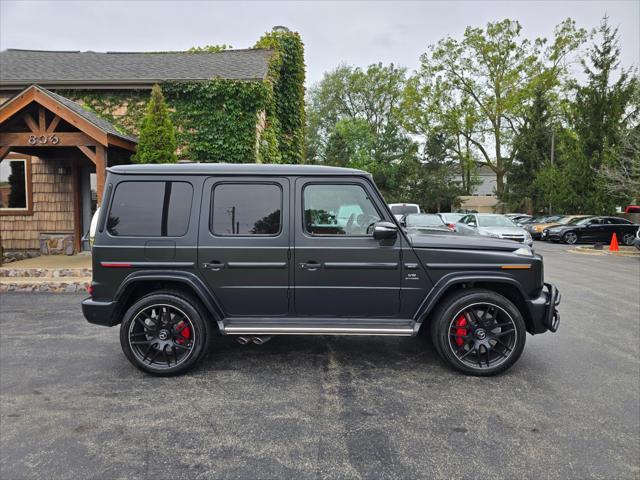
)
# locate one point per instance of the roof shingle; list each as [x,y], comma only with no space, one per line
[20,68]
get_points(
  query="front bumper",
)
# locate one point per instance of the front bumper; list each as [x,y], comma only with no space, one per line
[544,311]
[100,313]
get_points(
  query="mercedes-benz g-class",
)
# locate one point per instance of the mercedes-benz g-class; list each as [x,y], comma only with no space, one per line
[185,252]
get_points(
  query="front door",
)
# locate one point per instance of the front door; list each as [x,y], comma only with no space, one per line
[243,250]
[340,269]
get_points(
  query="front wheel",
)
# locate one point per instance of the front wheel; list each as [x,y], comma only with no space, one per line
[478,332]
[164,333]
[570,238]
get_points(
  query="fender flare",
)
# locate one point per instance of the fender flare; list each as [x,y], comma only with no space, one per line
[189,279]
[451,279]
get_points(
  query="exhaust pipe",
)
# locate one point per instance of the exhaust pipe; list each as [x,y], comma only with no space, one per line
[243,340]
[260,340]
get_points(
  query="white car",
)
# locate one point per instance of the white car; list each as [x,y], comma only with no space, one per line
[399,210]
[493,225]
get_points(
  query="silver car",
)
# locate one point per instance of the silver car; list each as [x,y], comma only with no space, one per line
[493,225]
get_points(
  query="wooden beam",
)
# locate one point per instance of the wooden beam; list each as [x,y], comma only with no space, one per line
[4,151]
[16,104]
[71,117]
[101,172]
[31,123]
[54,123]
[61,139]
[77,211]
[88,152]
[42,120]
[122,143]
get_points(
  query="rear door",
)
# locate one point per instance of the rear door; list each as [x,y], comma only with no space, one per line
[243,250]
[340,269]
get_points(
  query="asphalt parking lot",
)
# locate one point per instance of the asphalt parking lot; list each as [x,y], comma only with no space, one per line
[72,407]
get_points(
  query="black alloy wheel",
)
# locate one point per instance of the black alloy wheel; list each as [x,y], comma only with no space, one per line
[570,238]
[164,334]
[479,332]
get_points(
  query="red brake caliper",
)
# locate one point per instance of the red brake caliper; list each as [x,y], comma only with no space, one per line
[185,332]
[461,331]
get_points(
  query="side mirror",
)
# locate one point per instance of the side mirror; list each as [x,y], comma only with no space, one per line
[384,231]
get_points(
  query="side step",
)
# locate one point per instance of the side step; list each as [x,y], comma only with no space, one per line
[318,326]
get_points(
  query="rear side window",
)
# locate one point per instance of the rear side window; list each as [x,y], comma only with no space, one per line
[150,209]
[246,209]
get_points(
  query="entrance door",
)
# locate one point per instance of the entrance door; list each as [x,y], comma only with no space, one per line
[340,269]
[88,199]
[243,250]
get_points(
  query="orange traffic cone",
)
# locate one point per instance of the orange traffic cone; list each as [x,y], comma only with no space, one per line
[613,246]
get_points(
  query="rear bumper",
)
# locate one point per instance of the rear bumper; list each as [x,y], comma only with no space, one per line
[544,311]
[100,313]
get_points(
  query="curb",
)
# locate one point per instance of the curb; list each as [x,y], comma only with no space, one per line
[603,252]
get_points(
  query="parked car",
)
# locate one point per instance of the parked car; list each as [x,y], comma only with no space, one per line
[186,252]
[493,225]
[591,230]
[632,209]
[424,223]
[536,228]
[451,219]
[518,218]
[399,210]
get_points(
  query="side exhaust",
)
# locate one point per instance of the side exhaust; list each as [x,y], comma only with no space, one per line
[255,340]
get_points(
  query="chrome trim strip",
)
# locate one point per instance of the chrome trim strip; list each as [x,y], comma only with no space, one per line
[361,265]
[256,265]
[256,330]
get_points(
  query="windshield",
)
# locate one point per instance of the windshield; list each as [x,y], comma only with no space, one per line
[452,217]
[494,221]
[416,220]
[404,209]
[576,221]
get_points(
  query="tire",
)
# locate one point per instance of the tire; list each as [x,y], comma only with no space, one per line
[478,349]
[570,238]
[165,333]
[628,238]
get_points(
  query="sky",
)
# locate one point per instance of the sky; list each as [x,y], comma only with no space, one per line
[352,32]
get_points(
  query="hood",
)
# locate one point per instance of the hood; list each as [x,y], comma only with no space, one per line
[432,229]
[461,242]
[502,230]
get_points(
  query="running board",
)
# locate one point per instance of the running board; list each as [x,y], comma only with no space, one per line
[254,326]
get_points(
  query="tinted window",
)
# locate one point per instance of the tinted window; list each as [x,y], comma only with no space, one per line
[338,210]
[13,184]
[404,209]
[246,209]
[150,209]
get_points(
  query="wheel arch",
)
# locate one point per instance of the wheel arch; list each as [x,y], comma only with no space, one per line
[138,284]
[447,286]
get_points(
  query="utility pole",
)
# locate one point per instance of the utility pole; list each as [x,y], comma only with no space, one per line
[553,150]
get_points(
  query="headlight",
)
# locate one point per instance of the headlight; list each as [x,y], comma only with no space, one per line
[527,236]
[524,252]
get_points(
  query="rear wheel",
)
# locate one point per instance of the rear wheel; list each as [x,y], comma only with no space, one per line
[570,238]
[628,238]
[164,333]
[478,332]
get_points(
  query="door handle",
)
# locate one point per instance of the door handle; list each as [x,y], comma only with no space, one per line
[311,266]
[215,266]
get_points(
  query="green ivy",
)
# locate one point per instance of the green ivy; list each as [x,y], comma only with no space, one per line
[225,120]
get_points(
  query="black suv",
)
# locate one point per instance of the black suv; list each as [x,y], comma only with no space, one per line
[185,252]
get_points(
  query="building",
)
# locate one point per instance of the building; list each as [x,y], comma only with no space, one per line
[66,116]
[484,199]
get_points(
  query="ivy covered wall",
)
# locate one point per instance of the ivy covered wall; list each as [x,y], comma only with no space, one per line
[225,120]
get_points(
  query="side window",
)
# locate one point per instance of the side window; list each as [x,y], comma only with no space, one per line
[471,220]
[338,209]
[150,209]
[246,209]
[14,185]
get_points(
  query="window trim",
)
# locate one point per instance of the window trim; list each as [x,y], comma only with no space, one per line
[328,235]
[163,180]
[238,182]
[28,180]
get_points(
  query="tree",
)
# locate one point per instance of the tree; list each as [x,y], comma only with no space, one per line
[490,75]
[602,115]
[354,119]
[157,136]
[210,48]
[622,174]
